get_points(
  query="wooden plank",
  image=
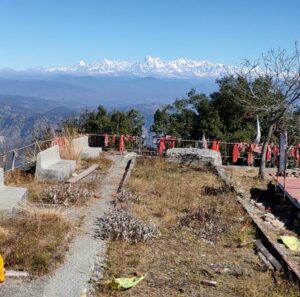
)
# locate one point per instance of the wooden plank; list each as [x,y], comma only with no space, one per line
[265,260]
[268,255]
[83,174]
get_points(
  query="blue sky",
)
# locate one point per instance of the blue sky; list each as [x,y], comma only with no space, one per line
[61,32]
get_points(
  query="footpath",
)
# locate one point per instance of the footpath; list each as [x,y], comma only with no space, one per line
[86,252]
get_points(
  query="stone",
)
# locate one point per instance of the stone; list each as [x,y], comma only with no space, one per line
[81,146]
[49,165]
[10,198]
[194,156]
[16,274]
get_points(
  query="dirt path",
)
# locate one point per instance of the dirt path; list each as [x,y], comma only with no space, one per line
[85,253]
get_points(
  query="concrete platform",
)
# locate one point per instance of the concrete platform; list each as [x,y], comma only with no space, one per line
[49,165]
[10,198]
[81,146]
[291,187]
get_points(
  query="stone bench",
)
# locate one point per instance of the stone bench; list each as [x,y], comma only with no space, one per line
[81,146]
[10,198]
[49,165]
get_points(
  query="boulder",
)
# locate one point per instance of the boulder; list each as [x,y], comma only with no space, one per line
[194,156]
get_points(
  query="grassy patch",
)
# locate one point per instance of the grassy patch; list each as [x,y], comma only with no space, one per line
[103,162]
[186,254]
[36,241]
[35,188]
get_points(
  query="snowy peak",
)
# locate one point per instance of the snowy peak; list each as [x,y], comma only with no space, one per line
[150,66]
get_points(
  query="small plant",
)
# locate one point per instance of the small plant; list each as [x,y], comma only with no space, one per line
[119,224]
[66,195]
[205,222]
[213,191]
[125,197]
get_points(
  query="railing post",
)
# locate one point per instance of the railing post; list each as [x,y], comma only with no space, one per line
[13,160]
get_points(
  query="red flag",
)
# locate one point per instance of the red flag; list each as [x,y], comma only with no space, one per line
[161,147]
[121,144]
[215,146]
[250,157]
[235,153]
[268,153]
[106,139]
[297,152]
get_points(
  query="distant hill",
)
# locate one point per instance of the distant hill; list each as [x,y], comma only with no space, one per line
[19,115]
[36,99]
[108,91]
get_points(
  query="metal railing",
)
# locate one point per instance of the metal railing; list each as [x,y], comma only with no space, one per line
[25,157]
[22,157]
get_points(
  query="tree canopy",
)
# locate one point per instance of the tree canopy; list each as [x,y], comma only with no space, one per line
[101,121]
[219,116]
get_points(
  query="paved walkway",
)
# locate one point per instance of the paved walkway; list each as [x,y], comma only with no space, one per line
[72,278]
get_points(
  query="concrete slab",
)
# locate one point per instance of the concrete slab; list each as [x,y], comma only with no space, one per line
[10,198]
[49,165]
[81,146]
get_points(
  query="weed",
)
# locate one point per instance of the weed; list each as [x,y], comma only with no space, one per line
[119,224]
[36,240]
[179,259]
[66,194]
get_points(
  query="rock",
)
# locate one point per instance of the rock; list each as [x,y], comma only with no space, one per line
[277,224]
[16,274]
[194,156]
[209,282]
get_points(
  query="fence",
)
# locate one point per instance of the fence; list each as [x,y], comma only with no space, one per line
[25,156]
[22,157]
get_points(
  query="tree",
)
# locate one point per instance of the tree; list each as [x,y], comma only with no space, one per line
[101,121]
[188,118]
[269,86]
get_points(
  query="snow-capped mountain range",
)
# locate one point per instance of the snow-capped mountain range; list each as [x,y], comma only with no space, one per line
[150,66]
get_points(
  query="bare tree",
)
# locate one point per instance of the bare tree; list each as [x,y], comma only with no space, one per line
[271,88]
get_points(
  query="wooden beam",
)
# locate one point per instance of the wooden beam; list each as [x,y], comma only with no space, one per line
[260,247]
[83,174]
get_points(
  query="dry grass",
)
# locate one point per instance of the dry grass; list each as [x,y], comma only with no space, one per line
[103,162]
[35,188]
[246,177]
[181,258]
[36,241]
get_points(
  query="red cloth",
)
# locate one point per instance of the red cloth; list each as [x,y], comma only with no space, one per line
[292,151]
[60,141]
[268,153]
[250,156]
[113,139]
[275,150]
[215,146]
[106,139]
[121,144]
[297,154]
[161,147]
[235,153]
